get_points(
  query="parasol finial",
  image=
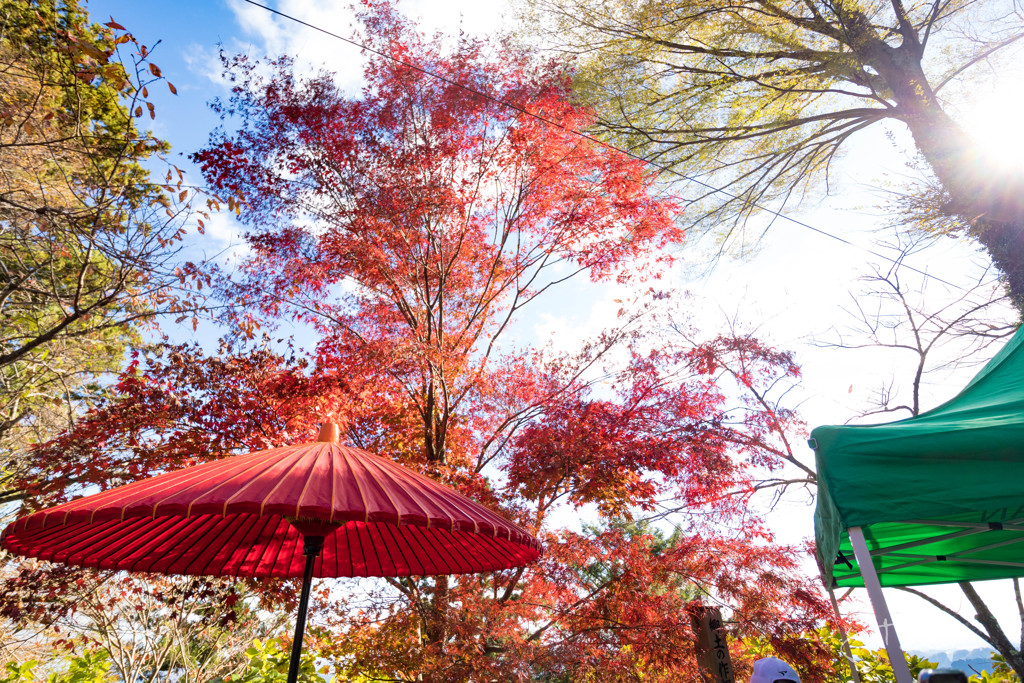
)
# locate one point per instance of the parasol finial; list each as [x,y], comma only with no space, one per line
[328,433]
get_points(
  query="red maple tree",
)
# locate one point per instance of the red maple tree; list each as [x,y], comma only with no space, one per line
[407,227]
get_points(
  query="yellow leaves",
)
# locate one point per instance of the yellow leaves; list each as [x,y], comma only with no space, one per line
[91,50]
[248,327]
[74,190]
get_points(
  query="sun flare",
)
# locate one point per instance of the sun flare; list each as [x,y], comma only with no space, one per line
[993,119]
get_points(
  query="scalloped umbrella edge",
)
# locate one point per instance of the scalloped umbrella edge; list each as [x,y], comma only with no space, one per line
[317,509]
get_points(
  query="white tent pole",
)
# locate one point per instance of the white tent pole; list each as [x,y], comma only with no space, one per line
[885,625]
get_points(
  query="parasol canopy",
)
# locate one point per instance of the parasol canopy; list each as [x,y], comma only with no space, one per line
[245,516]
[318,509]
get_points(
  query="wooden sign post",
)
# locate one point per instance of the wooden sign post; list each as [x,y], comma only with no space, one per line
[712,646]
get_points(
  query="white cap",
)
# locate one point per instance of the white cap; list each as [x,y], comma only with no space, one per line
[771,669]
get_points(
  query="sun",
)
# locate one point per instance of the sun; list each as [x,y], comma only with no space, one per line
[993,117]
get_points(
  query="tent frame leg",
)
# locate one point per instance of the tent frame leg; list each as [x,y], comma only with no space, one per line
[881,609]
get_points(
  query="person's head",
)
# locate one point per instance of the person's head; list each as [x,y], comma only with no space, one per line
[773,670]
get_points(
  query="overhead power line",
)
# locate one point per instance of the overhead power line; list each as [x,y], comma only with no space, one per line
[603,143]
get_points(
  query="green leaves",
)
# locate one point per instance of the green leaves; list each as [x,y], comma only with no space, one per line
[268,662]
[89,667]
[16,673]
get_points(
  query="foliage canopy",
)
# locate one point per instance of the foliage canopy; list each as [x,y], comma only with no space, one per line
[87,240]
[758,97]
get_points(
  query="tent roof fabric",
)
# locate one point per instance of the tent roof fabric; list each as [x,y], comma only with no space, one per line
[246,516]
[940,496]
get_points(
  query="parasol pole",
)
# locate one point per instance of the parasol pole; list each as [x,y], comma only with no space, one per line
[882,616]
[311,548]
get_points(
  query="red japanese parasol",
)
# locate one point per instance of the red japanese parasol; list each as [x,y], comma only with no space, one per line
[318,509]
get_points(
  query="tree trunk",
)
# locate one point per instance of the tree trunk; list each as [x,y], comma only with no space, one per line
[436,626]
[997,637]
[1005,244]
[991,204]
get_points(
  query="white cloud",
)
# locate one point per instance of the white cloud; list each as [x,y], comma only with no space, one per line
[471,16]
[258,22]
[273,35]
[204,61]
[225,235]
[312,49]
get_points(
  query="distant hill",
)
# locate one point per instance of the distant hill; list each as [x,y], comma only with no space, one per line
[969,661]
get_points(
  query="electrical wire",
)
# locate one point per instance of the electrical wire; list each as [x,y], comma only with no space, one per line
[606,145]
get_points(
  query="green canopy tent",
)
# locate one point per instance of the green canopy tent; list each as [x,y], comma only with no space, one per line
[936,498]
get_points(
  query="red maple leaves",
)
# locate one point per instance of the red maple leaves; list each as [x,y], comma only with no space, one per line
[406,228]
